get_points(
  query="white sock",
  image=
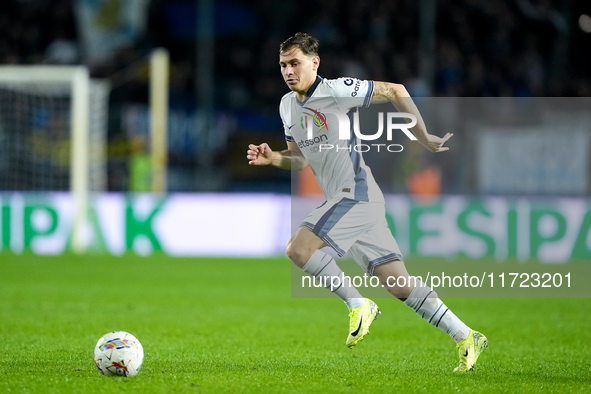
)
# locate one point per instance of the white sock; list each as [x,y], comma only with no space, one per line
[323,267]
[424,301]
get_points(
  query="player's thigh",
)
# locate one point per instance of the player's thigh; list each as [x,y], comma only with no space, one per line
[375,247]
[378,253]
[339,222]
[303,244]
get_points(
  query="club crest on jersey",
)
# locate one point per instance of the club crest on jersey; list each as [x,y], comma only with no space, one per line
[316,118]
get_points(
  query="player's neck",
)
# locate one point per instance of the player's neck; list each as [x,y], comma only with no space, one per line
[302,94]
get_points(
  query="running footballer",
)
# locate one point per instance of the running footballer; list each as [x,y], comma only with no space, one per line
[352,219]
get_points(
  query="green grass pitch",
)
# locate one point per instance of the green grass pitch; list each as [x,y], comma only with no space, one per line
[231,326]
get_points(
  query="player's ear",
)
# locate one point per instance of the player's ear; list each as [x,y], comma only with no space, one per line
[315,62]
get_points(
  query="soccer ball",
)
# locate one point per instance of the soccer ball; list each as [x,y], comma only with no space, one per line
[118,353]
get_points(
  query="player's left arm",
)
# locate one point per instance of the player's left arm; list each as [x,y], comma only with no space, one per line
[287,159]
[396,94]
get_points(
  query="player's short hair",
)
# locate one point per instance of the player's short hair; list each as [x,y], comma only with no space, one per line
[307,44]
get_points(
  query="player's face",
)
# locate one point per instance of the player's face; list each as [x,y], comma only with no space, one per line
[299,70]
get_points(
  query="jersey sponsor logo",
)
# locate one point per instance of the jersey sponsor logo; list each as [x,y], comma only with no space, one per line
[356,88]
[313,141]
[348,81]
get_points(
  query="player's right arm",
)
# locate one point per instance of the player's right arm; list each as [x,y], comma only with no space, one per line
[288,159]
[396,94]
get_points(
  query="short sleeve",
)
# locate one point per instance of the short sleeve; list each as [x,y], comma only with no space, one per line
[284,112]
[352,91]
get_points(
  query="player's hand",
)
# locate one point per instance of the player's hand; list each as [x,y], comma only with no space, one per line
[435,143]
[259,155]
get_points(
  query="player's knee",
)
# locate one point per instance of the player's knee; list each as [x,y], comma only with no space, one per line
[299,255]
[288,249]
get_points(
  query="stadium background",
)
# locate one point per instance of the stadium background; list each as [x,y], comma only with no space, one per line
[442,50]
[225,86]
[493,48]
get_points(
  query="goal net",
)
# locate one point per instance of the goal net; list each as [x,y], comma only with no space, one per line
[53,130]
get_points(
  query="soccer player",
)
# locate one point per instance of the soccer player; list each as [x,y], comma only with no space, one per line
[352,219]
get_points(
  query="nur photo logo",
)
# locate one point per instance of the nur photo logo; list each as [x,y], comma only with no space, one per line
[344,132]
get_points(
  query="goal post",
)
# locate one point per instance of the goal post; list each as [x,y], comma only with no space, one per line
[79,154]
[36,104]
[159,76]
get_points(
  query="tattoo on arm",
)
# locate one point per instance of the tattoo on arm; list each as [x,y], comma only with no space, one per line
[386,90]
[383,92]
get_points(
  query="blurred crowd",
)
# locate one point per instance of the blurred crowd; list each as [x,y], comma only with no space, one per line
[38,32]
[482,48]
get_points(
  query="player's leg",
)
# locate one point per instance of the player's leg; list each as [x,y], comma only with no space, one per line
[303,245]
[339,223]
[304,251]
[378,253]
[421,298]
[427,304]
[380,256]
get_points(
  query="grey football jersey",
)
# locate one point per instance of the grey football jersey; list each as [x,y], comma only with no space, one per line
[340,170]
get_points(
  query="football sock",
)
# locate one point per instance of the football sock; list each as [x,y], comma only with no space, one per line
[425,302]
[324,269]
